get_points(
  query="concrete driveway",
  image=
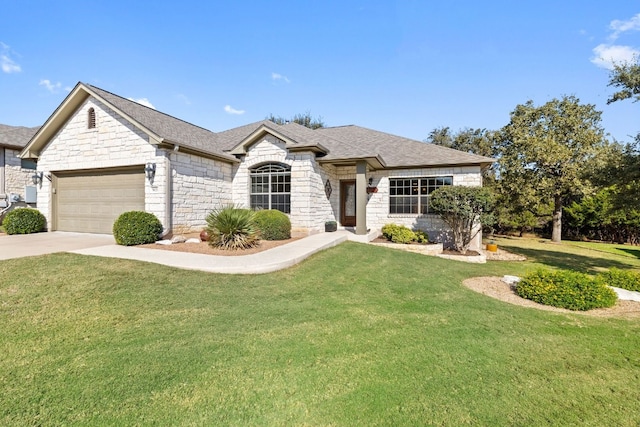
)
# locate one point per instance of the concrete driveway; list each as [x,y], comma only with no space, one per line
[22,245]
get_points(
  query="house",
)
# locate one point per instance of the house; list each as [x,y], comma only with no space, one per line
[101,155]
[16,183]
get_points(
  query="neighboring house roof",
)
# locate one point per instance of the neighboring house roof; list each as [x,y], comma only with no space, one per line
[16,136]
[340,145]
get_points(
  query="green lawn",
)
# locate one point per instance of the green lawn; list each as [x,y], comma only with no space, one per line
[581,256]
[356,335]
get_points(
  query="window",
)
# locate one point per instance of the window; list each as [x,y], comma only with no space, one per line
[271,187]
[28,164]
[411,195]
[91,119]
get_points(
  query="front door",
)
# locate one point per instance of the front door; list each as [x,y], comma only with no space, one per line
[348,203]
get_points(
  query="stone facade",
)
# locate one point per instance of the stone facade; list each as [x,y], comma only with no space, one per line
[16,178]
[199,185]
[378,203]
[187,187]
[310,207]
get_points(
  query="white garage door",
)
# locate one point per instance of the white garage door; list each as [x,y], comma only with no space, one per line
[90,202]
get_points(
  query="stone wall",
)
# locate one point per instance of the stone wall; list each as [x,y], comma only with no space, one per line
[310,207]
[378,203]
[114,142]
[15,177]
[200,185]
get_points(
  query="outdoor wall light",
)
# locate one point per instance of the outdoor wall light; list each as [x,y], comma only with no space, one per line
[370,181]
[37,178]
[150,171]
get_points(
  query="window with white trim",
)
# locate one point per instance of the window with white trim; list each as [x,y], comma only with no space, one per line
[271,187]
[412,195]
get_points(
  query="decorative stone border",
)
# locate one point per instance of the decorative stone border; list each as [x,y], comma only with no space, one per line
[474,259]
[434,249]
[428,249]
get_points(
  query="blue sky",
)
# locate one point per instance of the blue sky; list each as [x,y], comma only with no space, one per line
[404,67]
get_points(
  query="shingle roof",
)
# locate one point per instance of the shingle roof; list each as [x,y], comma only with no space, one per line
[342,144]
[168,127]
[16,136]
[396,151]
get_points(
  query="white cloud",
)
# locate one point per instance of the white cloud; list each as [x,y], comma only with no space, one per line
[7,64]
[143,101]
[620,27]
[275,77]
[51,87]
[606,55]
[183,98]
[231,110]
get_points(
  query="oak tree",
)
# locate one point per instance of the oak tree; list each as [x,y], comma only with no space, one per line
[543,153]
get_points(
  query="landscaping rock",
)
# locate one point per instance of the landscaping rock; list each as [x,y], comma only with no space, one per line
[626,295]
[178,239]
[164,242]
[192,240]
[510,280]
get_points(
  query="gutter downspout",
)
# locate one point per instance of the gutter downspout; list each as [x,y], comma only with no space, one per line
[2,185]
[168,180]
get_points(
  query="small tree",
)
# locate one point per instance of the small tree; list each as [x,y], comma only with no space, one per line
[464,209]
[303,119]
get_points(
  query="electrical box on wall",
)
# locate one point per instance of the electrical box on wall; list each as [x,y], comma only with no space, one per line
[30,194]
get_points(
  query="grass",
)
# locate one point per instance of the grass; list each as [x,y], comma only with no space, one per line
[586,257]
[356,335]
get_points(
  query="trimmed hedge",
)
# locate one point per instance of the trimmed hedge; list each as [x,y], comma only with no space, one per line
[24,221]
[136,228]
[401,234]
[273,224]
[565,289]
[623,279]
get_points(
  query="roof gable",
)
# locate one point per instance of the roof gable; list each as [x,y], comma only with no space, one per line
[161,128]
[295,136]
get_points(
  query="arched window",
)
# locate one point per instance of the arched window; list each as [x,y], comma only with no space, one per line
[271,187]
[91,119]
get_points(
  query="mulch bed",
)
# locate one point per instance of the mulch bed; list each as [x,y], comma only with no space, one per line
[204,248]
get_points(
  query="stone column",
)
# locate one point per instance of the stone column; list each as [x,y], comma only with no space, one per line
[361,197]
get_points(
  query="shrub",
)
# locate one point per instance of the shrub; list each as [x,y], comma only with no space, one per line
[231,227]
[388,230]
[623,279]
[273,224]
[136,228]
[401,234]
[421,236]
[465,210]
[24,221]
[565,289]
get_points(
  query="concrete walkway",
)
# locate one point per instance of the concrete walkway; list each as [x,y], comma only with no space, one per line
[263,262]
[23,245]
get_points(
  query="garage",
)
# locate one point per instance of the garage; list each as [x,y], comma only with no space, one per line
[90,201]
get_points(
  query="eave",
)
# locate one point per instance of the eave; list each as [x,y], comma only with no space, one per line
[374,162]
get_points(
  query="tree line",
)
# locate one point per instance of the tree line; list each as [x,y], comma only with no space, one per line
[556,172]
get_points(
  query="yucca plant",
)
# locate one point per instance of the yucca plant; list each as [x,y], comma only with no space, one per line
[232,227]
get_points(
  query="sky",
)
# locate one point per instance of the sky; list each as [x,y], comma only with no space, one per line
[402,67]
